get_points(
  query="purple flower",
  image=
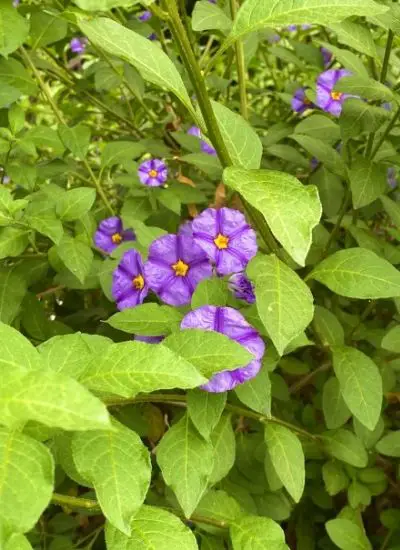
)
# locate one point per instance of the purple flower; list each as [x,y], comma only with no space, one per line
[329,100]
[149,339]
[226,238]
[292,28]
[78,45]
[152,36]
[230,322]
[314,163]
[16,3]
[304,27]
[110,234]
[326,55]
[387,106]
[391,177]
[175,267]
[205,147]
[129,288]
[300,101]
[274,38]
[145,16]
[194,131]
[242,287]
[186,229]
[153,172]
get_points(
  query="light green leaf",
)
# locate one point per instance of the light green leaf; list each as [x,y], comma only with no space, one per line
[18,355]
[224,444]
[118,466]
[44,137]
[212,292]
[318,127]
[347,535]
[23,174]
[207,16]
[345,446]
[366,88]
[205,410]
[391,340]
[128,368]
[26,480]
[40,215]
[118,152]
[257,533]
[284,301]
[152,528]
[389,445]
[147,320]
[291,209]
[360,384]
[336,412]
[13,241]
[335,478]
[186,461]
[256,393]
[17,542]
[392,209]
[208,351]
[104,5]
[356,36]
[12,291]
[46,29]
[358,116]
[68,354]
[367,181]
[8,94]
[358,273]
[76,256]
[14,74]
[348,59]
[75,139]
[13,28]
[322,152]
[328,327]
[151,62]
[367,437]
[73,204]
[330,188]
[287,458]
[220,506]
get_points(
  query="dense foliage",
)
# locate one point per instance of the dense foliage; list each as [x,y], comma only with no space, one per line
[199,284]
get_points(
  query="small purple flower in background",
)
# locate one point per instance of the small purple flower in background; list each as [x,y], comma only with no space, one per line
[129,288]
[78,45]
[111,233]
[292,28]
[274,38]
[186,229]
[205,147]
[242,287]
[194,131]
[326,56]
[304,27]
[153,172]
[16,3]
[175,267]
[148,339]
[327,99]
[391,177]
[145,16]
[226,238]
[152,36]
[387,106]
[314,162]
[230,322]
[300,101]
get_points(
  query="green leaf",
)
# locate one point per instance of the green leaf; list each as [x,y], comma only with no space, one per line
[360,384]
[392,209]
[335,478]
[284,301]
[26,480]
[46,29]
[224,443]
[366,88]
[186,461]
[331,192]
[23,174]
[207,16]
[358,116]
[151,62]
[75,203]
[147,320]
[210,352]
[347,535]
[287,458]
[323,152]
[391,340]
[128,368]
[152,528]
[288,153]
[356,36]
[76,139]
[205,410]
[118,152]
[44,137]
[243,144]
[349,60]
[257,533]
[256,393]
[17,542]
[318,127]
[13,28]
[76,256]
[389,445]
[103,5]
[336,412]
[68,354]
[367,437]
[12,290]
[118,466]
[8,95]
[220,506]
[12,241]
[14,74]
[367,181]
[291,209]
[345,446]
[358,273]
[17,354]
[212,291]
[40,215]
[328,327]
[209,164]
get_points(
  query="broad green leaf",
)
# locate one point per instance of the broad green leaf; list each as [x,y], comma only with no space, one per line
[328,327]
[16,118]
[389,445]
[8,94]
[367,239]
[212,291]
[44,137]
[75,203]
[334,477]
[186,461]
[68,354]
[284,301]
[135,209]
[323,152]
[360,384]
[205,410]
[358,273]
[336,412]
[61,447]
[347,535]
[368,181]
[358,116]
[367,437]
[391,340]
[147,320]
[218,505]
[345,446]
[76,139]
[118,152]
[12,290]
[318,127]
[330,188]
[392,209]
[348,59]
[46,29]
[26,480]
[291,209]
[128,368]
[23,174]
[356,36]
[208,16]
[256,393]
[118,466]
[288,153]
[40,215]
[76,256]
[257,533]
[13,241]
[208,351]
[287,458]
[13,28]
[224,444]
[14,74]
[17,542]
[366,88]
[18,355]
[152,528]
[243,144]
[151,62]
[209,164]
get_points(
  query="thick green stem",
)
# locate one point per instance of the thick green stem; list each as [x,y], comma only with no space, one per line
[241,69]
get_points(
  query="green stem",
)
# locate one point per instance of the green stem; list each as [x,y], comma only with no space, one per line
[241,69]
[75,502]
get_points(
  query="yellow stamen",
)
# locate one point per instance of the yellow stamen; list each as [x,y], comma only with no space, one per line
[153,173]
[138,282]
[221,241]
[180,268]
[336,95]
[116,238]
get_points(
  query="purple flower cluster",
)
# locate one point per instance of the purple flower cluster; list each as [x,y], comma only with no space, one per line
[205,147]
